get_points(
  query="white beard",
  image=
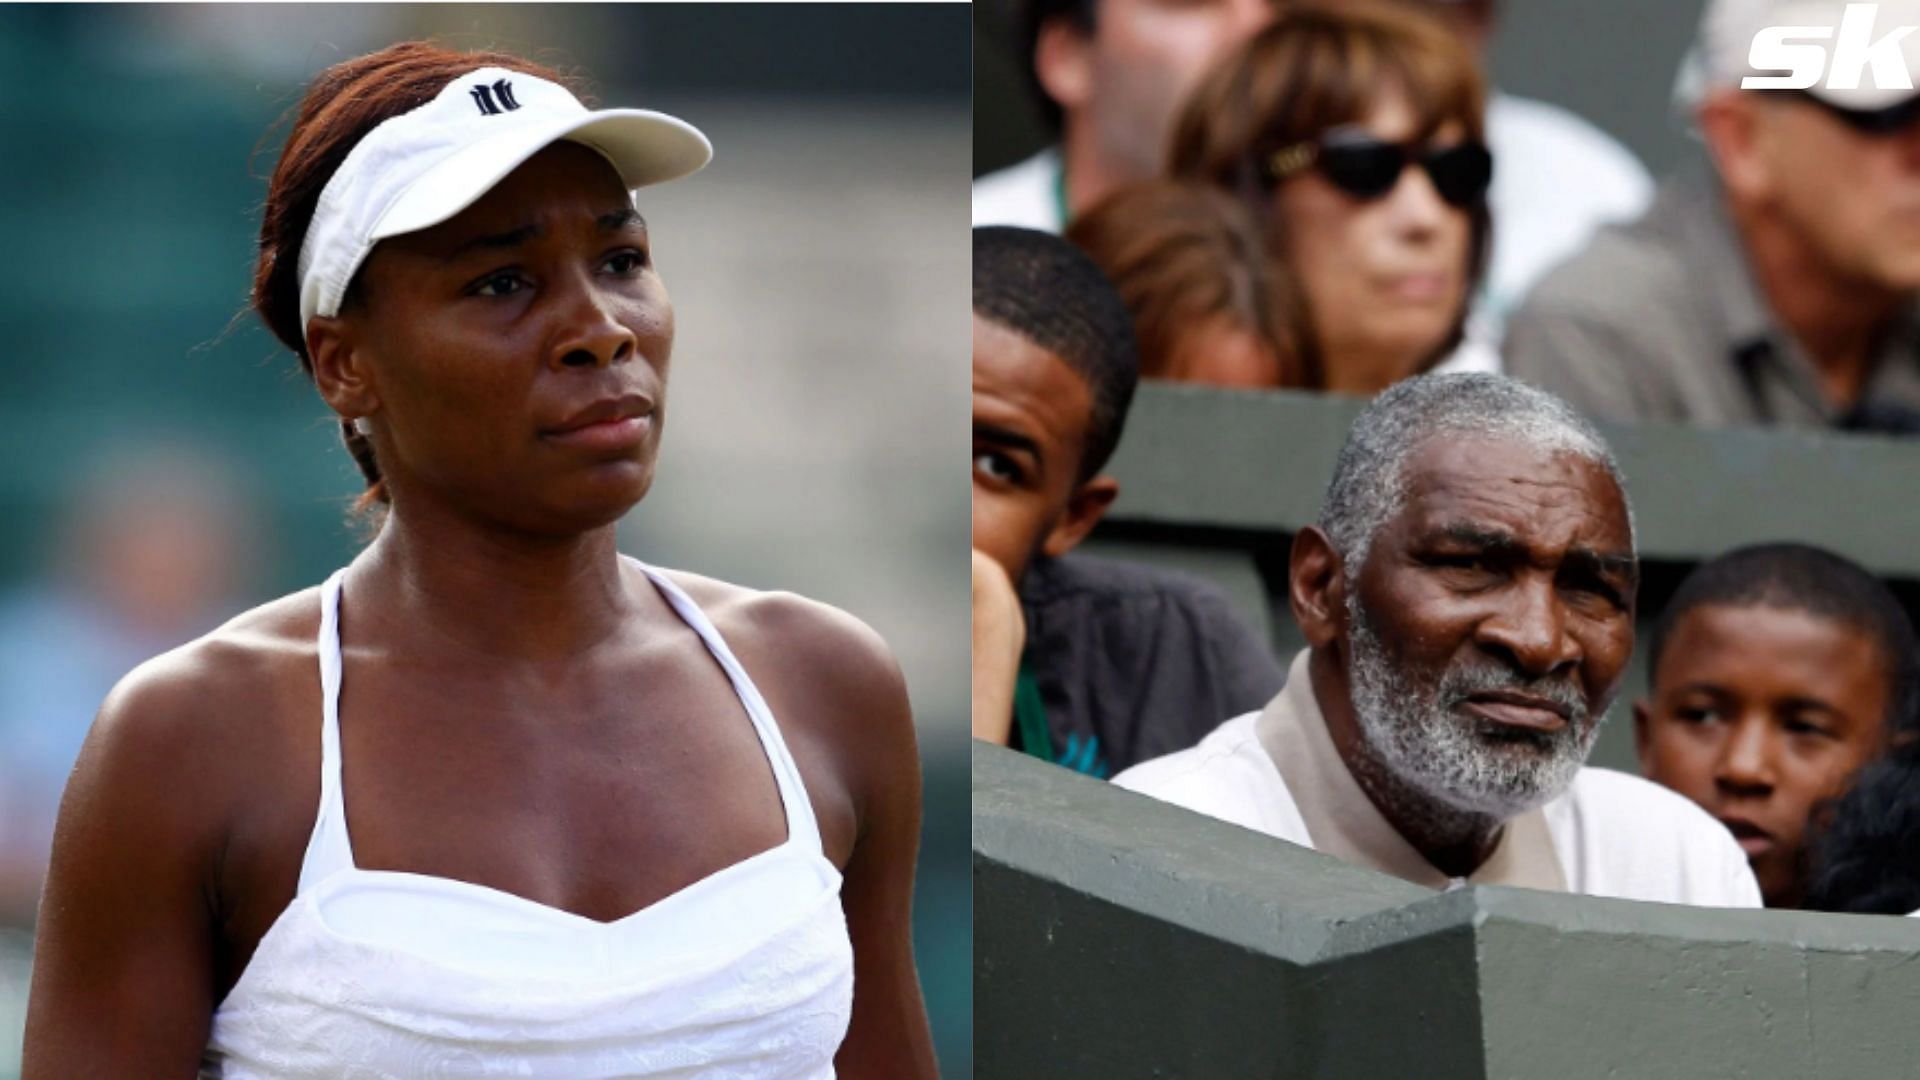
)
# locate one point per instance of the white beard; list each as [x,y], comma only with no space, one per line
[1417,736]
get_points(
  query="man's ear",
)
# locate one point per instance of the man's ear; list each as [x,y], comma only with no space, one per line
[1063,63]
[1317,587]
[1732,127]
[1642,733]
[340,367]
[1084,510]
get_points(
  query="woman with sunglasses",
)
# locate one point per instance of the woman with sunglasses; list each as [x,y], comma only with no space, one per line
[1356,131]
[495,800]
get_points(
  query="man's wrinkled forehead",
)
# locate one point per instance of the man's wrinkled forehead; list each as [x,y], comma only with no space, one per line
[1456,481]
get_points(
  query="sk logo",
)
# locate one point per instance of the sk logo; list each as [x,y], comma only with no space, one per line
[1855,52]
[494,99]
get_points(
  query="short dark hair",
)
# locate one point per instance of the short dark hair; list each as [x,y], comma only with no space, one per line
[1032,16]
[1049,292]
[1798,577]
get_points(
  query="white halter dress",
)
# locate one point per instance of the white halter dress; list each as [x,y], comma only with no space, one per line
[744,975]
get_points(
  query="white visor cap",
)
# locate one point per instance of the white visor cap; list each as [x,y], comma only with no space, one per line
[422,167]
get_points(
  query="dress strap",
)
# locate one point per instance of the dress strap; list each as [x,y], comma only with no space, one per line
[328,848]
[802,829]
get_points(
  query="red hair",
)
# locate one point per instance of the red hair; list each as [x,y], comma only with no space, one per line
[1183,254]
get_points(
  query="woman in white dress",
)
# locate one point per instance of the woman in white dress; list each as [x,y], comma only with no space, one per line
[495,800]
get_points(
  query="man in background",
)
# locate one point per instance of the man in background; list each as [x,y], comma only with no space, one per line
[157,549]
[1109,77]
[1090,663]
[1776,286]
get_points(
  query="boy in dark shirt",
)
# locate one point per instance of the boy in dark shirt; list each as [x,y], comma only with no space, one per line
[1089,663]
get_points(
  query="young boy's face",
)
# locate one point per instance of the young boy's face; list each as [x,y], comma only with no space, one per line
[1030,417]
[1758,714]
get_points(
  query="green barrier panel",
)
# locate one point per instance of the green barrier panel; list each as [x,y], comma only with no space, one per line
[1119,937]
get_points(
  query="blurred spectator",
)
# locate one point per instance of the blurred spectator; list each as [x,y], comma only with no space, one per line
[1208,304]
[155,553]
[1866,859]
[1775,288]
[1777,672]
[1109,76]
[1560,178]
[1094,664]
[1355,131]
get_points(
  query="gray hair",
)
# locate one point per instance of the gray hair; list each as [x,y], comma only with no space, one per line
[1368,488]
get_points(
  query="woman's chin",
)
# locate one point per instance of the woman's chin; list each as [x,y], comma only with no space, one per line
[594,501]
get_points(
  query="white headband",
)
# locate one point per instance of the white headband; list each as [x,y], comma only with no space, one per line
[422,167]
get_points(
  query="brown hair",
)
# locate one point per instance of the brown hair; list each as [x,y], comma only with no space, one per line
[1316,67]
[1181,254]
[343,104]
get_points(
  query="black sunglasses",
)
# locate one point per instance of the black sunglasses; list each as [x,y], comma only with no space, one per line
[1368,168]
[1888,121]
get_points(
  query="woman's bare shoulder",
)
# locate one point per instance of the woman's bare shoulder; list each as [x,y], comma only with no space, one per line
[838,693]
[819,637]
[216,694]
[188,748]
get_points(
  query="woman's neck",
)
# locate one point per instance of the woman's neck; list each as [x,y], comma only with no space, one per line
[470,590]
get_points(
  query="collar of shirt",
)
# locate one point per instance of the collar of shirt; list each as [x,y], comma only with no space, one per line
[1779,375]
[1343,822]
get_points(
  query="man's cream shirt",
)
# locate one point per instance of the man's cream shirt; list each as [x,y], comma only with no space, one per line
[1277,771]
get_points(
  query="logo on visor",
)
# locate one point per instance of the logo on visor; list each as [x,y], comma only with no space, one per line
[1854,53]
[496,99]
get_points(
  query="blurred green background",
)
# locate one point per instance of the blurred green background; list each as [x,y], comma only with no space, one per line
[163,464]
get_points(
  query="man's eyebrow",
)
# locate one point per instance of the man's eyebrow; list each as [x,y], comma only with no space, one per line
[1011,439]
[1477,536]
[620,219]
[1604,564]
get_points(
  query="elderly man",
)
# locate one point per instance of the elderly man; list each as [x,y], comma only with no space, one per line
[1468,602]
[1779,287]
